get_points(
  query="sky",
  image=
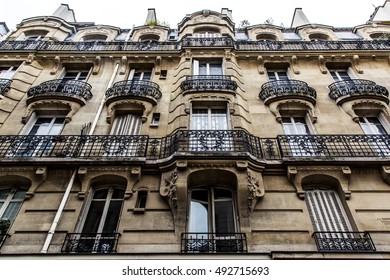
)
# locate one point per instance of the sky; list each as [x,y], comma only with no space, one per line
[125,14]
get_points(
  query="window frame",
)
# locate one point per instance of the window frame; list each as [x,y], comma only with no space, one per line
[209,107]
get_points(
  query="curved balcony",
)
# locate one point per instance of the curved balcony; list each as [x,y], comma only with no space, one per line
[73,90]
[5,85]
[287,89]
[144,90]
[200,83]
[354,89]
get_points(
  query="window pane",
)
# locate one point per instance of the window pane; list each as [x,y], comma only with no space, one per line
[12,210]
[222,194]
[100,194]
[215,69]
[118,194]
[199,119]
[218,119]
[112,217]
[4,194]
[202,68]
[224,217]
[19,195]
[199,216]
[200,196]
[94,216]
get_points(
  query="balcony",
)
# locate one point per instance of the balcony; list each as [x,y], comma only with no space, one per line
[354,89]
[202,83]
[5,85]
[99,243]
[194,143]
[287,89]
[330,241]
[334,146]
[73,90]
[207,243]
[208,42]
[144,90]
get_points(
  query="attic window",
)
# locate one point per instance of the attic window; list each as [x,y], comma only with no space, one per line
[94,37]
[319,37]
[270,37]
[149,37]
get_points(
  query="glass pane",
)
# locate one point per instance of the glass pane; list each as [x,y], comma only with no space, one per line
[199,216]
[118,194]
[4,193]
[100,194]
[218,119]
[282,75]
[19,195]
[12,210]
[222,194]
[224,217]
[112,217]
[200,196]
[215,69]
[41,126]
[376,125]
[199,119]
[202,68]
[301,126]
[94,216]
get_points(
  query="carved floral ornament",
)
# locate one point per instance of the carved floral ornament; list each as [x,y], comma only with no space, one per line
[256,190]
[170,189]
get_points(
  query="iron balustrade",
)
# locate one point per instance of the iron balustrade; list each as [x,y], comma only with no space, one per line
[279,89]
[5,85]
[344,90]
[102,243]
[61,88]
[143,89]
[197,83]
[208,42]
[208,242]
[334,146]
[262,45]
[197,143]
[336,241]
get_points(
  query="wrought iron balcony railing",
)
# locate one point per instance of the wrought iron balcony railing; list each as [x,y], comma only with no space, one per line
[5,85]
[263,45]
[346,90]
[78,91]
[100,243]
[139,89]
[219,143]
[334,146]
[332,241]
[199,83]
[285,89]
[213,242]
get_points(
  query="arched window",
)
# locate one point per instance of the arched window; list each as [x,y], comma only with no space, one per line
[319,37]
[11,199]
[266,36]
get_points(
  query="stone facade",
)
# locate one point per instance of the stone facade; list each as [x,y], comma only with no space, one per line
[262,141]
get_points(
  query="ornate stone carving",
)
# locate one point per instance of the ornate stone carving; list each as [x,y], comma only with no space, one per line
[57,65]
[255,190]
[170,189]
[260,65]
[294,64]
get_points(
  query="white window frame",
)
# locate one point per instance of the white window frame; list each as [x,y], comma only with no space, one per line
[381,119]
[133,71]
[275,72]
[209,116]
[8,73]
[196,64]
[64,71]
[292,119]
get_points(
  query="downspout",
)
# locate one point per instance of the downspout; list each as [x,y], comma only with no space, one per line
[65,198]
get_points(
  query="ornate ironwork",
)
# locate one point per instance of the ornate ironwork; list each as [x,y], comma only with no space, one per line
[78,90]
[102,243]
[5,85]
[334,146]
[208,42]
[213,242]
[197,83]
[345,90]
[332,241]
[143,89]
[279,89]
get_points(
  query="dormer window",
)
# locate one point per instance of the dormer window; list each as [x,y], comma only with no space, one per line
[319,37]
[268,37]
[95,37]
[207,33]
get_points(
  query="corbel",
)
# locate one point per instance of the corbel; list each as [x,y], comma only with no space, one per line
[82,173]
[57,65]
[356,65]
[97,65]
[122,70]
[322,65]
[158,65]
[256,190]
[294,64]
[260,65]
[188,55]
[30,58]
[169,190]
[228,55]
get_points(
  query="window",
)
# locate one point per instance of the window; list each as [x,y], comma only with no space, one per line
[209,118]
[207,34]
[75,75]
[277,75]
[326,212]
[372,125]
[142,75]
[207,68]
[47,126]
[141,199]
[340,75]
[212,221]
[126,124]
[100,222]
[7,72]
[11,200]
[155,119]
[295,126]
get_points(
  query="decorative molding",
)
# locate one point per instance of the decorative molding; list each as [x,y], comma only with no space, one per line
[97,65]
[356,65]
[294,64]
[322,65]
[57,65]
[123,66]
[260,65]
[255,190]
[158,65]
[170,189]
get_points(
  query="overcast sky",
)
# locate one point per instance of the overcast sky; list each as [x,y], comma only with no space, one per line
[125,14]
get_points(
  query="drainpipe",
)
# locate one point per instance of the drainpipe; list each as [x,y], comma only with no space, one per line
[53,227]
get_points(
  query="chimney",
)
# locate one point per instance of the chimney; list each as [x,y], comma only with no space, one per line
[65,13]
[151,17]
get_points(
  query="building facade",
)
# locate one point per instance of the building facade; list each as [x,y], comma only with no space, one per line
[206,139]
